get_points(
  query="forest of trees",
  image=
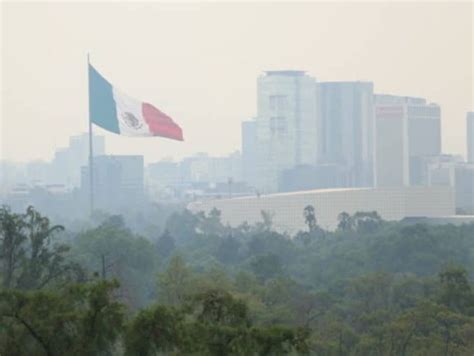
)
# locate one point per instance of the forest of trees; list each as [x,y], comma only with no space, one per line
[189,285]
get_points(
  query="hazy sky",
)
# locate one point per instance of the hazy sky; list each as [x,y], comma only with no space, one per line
[199,63]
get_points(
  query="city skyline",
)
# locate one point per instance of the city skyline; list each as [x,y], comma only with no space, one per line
[212,94]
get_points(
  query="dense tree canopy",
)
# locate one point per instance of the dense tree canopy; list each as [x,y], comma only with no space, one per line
[195,286]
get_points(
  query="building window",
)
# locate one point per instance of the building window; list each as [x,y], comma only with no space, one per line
[278,125]
[278,102]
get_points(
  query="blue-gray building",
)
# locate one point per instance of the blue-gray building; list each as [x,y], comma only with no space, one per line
[470,136]
[346,129]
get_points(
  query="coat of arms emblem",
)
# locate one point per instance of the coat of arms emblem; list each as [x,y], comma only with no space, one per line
[131,121]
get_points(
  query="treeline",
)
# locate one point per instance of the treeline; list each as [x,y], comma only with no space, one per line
[198,287]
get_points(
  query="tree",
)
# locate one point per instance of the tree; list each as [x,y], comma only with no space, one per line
[346,222]
[77,320]
[29,255]
[112,251]
[266,266]
[228,250]
[13,238]
[165,244]
[456,292]
[310,218]
[367,222]
[211,224]
[183,226]
[212,323]
[154,330]
[267,221]
[175,283]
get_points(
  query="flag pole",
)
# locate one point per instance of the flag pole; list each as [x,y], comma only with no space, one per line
[91,152]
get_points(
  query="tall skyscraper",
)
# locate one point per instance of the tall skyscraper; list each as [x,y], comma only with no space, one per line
[286,125]
[408,129]
[470,136]
[391,149]
[424,130]
[346,135]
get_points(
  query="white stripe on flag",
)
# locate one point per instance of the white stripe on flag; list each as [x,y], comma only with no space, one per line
[129,115]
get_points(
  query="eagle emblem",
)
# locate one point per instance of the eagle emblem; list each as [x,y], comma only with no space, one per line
[131,121]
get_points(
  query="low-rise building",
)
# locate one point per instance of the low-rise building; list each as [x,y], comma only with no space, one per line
[393,203]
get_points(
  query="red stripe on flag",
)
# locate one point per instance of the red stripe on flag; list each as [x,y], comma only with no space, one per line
[161,124]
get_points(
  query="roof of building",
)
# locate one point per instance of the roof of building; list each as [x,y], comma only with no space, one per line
[322,191]
[290,73]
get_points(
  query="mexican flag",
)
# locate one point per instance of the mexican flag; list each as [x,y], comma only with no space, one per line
[116,112]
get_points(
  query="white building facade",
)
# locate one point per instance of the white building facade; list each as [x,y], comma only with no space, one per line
[407,129]
[287,208]
[286,125]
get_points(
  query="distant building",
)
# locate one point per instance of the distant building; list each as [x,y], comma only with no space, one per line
[346,133]
[286,125]
[227,168]
[164,173]
[199,173]
[67,162]
[407,130]
[424,135]
[453,172]
[11,174]
[391,152]
[464,185]
[313,177]
[424,130]
[287,208]
[249,151]
[118,182]
[430,170]
[206,169]
[470,136]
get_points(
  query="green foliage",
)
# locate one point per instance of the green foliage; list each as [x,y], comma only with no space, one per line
[228,250]
[266,266]
[30,257]
[165,244]
[157,329]
[310,218]
[370,288]
[212,323]
[174,284]
[456,292]
[112,251]
[346,222]
[78,320]
[182,225]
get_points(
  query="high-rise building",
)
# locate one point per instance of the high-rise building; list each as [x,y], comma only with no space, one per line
[407,131]
[470,136]
[391,149]
[424,130]
[67,162]
[346,134]
[286,125]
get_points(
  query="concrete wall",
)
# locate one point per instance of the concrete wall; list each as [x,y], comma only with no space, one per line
[287,208]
